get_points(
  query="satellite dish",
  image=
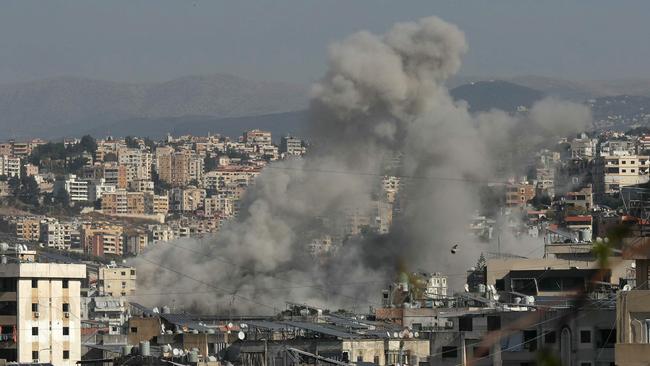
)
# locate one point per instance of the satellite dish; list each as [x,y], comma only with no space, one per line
[230,325]
[176,352]
[241,335]
[388,334]
[627,287]
[417,335]
[454,249]
[395,335]
[155,310]
[402,334]
[466,287]
[243,325]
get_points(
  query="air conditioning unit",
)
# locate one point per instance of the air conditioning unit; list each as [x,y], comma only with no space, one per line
[66,314]
[36,314]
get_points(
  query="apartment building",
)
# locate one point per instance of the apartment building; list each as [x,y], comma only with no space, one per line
[77,188]
[56,234]
[157,205]
[613,172]
[219,205]
[230,176]
[517,195]
[257,137]
[101,238]
[115,174]
[41,312]
[292,146]
[29,228]
[9,166]
[176,167]
[116,281]
[187,199]
[633,307]
[137,163]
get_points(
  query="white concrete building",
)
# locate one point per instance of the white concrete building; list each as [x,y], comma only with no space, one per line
[77,189]
[41,306]
[9,166]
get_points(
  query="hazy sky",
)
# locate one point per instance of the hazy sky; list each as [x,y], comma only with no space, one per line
[286,40]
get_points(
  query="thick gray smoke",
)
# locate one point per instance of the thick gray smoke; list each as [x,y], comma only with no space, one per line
[382,96]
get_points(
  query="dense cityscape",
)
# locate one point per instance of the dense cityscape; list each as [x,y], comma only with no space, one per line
[396,212]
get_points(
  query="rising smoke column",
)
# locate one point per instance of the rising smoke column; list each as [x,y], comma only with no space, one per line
[381,95]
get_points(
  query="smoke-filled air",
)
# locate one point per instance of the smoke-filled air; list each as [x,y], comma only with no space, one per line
[381,109]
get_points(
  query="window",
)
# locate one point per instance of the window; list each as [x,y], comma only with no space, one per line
[449,352]
[623,171]
[585,336]
[34,355]
[34,306]
[530,340]
[606,338]
[65,283]
[34,283]
[134,329]
[8,308]
[549,337]
[34,330]
[133,272]
[66,355]
[123,273]
[66,330]
[66,307]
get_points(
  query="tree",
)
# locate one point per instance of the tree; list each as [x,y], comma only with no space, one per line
[210,163]
[14,185]
[29,191]
[88,143]
[131,142]
[62,197]
[76,164]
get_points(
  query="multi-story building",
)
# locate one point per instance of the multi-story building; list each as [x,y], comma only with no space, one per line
[187,199]
[98,188]
[517,195]
[613,172]
[9,166]
[56,234]
[617,148]
[156,205]
[124,203]
[116,281]
[41,313]
[219,205]
[101,238]
[109,310]
[583,147]
[582,199]
[174,167]
[77,189]
[29,228]
[230,176]
[292,146]
[115,174]
[137,162]
[257,137]
[633,306]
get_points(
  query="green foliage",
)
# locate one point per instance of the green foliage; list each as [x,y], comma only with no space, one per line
[210,163]
[131,142]
[29,191]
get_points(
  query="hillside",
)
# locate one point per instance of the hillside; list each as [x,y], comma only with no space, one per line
[496,94]
[47,108]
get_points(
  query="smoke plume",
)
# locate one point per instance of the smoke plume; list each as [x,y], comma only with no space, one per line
[383,96]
